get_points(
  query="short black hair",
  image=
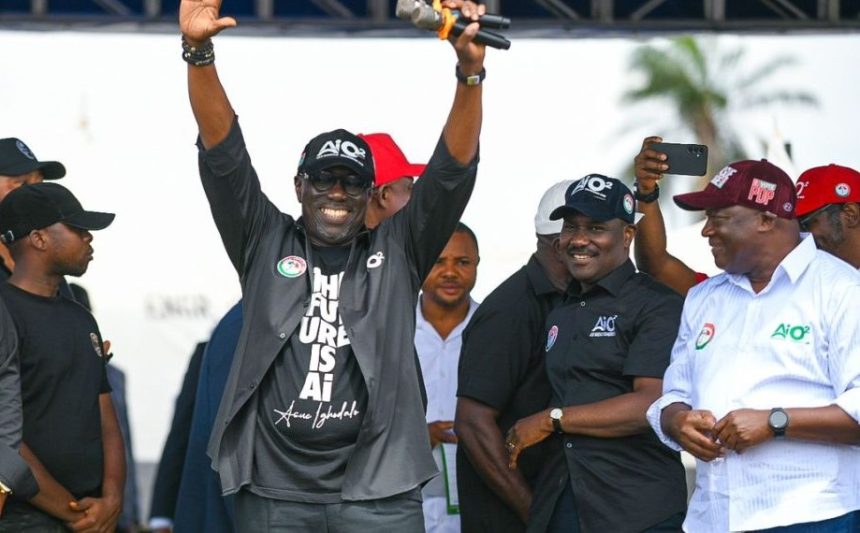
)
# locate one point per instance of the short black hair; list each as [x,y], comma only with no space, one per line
[462,228]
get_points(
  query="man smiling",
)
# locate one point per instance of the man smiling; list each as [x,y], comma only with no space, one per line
[606,350]
[764,385]
[321,427]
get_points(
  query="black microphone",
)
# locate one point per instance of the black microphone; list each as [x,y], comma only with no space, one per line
[424,16]
[484,37]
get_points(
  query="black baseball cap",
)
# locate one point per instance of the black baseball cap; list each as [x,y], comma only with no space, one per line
[16,159]
[598,197]
[37,206]
[337,148]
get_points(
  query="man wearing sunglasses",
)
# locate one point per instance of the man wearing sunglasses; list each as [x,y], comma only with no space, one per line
[828,207]
[321,427]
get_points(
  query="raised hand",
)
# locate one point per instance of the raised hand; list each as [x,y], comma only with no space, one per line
[470,55]
[649,165]
[199,20]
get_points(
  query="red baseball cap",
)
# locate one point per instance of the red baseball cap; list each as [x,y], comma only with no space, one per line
[821,186]
[388,159]
[759,185]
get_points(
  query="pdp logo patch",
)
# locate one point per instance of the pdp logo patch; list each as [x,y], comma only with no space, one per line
[843,190]
[551,337]
[292,266]
[705,336]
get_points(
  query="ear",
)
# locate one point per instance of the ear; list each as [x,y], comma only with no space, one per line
[381,193]
[767,222]
[850,214]
[298,183]
[38,240]
[629,234]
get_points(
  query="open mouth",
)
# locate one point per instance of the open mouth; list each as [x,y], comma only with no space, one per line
[580,257]
[334,215]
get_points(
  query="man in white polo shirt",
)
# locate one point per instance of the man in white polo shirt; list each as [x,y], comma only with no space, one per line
[764,384]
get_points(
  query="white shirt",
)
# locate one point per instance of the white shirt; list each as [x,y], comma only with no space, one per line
[439,360]
[794,344]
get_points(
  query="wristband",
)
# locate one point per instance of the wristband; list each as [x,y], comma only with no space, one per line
[198,56]
[474,79]
[646,198]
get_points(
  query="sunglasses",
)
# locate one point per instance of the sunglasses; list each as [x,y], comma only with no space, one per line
[804,221]
[352,184]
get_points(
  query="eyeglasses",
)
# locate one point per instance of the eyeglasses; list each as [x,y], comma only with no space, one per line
[805,220]
[352,184]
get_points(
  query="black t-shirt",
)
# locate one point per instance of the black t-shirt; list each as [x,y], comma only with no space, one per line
[312,400]
[597,343]
[502,366]
[62,375]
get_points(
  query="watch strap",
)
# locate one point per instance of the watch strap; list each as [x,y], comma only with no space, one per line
[646,198]
[472,80]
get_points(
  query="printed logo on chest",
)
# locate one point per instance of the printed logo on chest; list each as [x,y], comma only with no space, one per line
[798,333]
[604,327]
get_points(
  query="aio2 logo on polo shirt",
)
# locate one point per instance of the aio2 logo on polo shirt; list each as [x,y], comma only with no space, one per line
[796,333]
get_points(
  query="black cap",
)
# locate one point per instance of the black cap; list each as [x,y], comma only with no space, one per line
[337,148]
[598,197]
[16,159]
[32,207]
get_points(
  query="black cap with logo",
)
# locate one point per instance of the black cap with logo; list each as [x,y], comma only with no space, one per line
[16,159]
[32,207]
[337,148]
[598,197]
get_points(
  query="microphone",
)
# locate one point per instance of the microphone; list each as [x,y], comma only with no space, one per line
[448,21]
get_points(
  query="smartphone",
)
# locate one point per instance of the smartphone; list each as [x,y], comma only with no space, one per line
[684,159]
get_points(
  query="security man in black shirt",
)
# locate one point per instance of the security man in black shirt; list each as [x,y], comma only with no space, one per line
[607,348]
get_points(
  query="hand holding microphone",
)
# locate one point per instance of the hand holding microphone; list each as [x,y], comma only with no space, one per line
[447,22]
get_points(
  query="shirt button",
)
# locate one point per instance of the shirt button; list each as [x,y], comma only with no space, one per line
[282,335]
[252,385]
[581,304]
[569,445]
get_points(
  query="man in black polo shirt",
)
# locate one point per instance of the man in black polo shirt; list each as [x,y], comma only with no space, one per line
[71,438]
[502,378]
[607,348]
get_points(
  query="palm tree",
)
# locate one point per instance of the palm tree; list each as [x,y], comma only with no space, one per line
[704,86]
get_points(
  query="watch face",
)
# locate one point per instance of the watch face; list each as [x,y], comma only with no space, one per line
[778,419]
[555,413]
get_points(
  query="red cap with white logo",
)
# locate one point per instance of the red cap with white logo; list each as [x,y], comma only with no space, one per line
[759,185]
[831,184]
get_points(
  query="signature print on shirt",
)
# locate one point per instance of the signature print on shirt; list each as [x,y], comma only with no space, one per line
[321,327]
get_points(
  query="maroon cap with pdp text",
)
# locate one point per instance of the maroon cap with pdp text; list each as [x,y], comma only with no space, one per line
[759,185]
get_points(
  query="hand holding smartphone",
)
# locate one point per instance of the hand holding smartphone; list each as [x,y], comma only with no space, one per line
[684,159]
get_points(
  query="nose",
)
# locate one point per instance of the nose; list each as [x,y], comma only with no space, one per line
[337,191]
[708,228]
[576,237]
[87,236]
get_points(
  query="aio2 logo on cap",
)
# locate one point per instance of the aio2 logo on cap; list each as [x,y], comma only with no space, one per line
[843,190]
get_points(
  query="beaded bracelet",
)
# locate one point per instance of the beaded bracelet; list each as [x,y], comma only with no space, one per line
[199,56]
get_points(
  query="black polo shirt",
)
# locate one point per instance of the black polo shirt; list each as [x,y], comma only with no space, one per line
[502,366]
[597,343]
